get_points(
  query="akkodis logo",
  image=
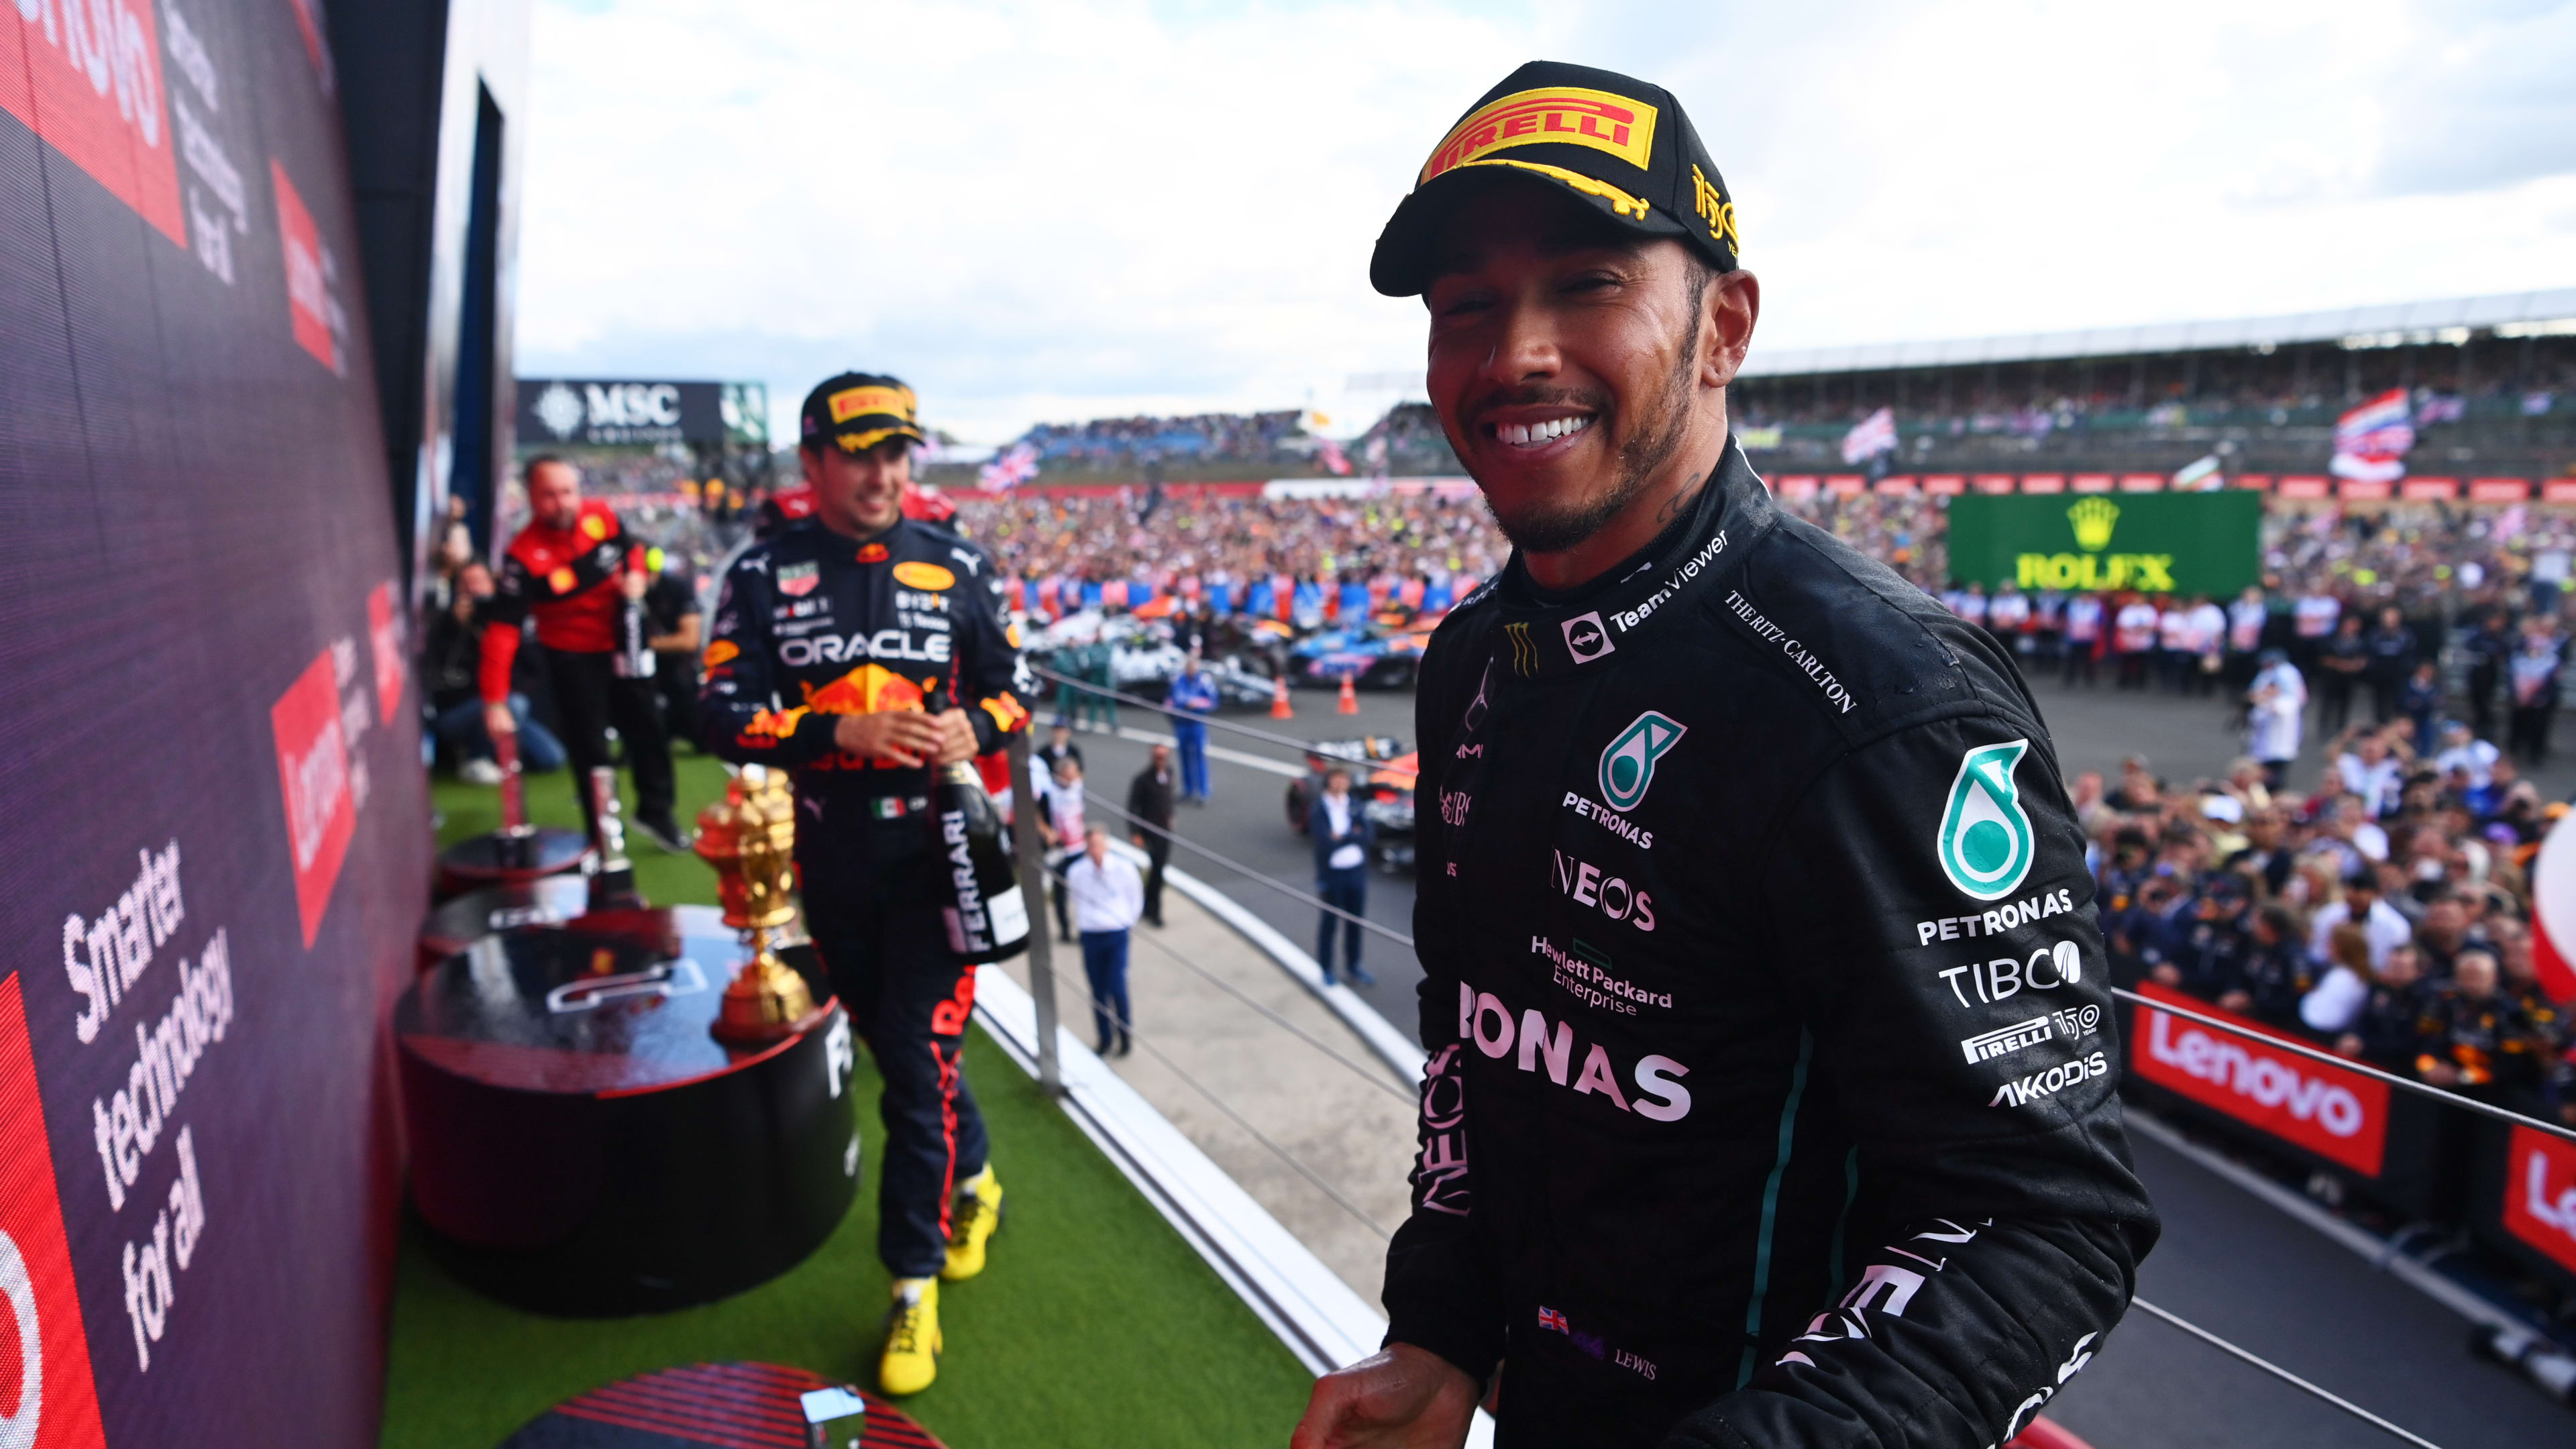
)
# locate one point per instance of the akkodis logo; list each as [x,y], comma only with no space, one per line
[1985,844]
[1628,765]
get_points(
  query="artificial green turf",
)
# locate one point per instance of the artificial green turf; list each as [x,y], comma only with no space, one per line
[1094,1324]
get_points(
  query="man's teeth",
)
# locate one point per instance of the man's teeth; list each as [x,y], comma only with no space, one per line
[1530,435]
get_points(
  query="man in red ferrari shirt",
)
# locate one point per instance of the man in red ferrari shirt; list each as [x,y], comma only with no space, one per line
[576,569]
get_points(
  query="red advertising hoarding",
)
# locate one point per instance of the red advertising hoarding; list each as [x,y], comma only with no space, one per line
[2341,1116]
[2540,1194]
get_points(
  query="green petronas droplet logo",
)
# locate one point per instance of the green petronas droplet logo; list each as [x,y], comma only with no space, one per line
[1985,844]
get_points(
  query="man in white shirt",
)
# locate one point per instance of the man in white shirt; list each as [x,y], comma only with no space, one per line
[2462,750]
[2277,713]
[2133,639]
[2369,771]
[2246,618]
[1343,835]
[1108,899]
[2083,635]
[2008,616]
[2208,636]
[2380,922]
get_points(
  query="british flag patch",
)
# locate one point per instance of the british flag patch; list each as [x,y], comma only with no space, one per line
[1549,1318]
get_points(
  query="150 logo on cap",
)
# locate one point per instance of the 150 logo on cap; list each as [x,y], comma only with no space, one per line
[1557,115]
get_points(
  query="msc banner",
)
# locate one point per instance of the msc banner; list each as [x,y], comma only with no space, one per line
[215,849]
[2161,543]
[567,411]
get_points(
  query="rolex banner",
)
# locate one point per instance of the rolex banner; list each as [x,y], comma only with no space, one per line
[2157,543]
[216,842]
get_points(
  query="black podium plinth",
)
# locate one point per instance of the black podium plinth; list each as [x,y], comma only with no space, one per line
[546,901]
[581,1146]
[501,857]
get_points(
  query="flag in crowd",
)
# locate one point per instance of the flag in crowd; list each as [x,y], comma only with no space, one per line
[2371,441]
[1010,470]
[1873,435]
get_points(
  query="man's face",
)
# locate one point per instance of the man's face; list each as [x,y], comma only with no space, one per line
[1337,784]
[2475,974]
[554,494]
[1097,846]
[859,493]
[474,581]
[1162,759]
[1567,359]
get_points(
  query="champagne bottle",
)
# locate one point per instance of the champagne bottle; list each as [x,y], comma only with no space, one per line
[633,660]
[986,915]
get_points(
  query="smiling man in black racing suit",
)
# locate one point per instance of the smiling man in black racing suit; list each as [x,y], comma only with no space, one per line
[1769,1099]
[828,639]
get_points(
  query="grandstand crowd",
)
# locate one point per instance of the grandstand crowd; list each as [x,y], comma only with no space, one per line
[2382,913]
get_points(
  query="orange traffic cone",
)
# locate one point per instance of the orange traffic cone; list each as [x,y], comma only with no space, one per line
[1350,703]
[1279,707]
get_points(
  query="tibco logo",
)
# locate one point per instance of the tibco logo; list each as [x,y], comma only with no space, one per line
[2265,1080]
[1486,1021]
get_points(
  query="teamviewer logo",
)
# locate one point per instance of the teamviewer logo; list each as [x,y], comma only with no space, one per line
[1586,638]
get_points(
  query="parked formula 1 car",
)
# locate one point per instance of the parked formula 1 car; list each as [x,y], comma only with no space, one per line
[1382,770]
[1370,656]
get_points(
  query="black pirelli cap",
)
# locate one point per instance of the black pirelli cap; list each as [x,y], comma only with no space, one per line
[859,410]
[1618,143]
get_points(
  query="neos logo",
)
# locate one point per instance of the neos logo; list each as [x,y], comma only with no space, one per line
[18,1290]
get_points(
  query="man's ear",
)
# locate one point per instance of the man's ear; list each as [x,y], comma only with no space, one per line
[1728,311]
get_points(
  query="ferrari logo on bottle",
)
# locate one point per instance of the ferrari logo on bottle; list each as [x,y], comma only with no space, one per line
[1985,843]
[1628,765]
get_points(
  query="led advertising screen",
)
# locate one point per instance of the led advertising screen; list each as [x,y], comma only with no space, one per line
[215,845]
[2156,543]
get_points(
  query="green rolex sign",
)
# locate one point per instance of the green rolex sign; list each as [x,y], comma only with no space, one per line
[2158,543]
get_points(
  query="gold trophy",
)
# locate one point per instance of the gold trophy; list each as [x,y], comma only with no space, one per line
[750,839]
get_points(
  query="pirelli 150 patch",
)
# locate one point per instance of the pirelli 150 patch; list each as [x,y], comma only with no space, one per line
[1985,844]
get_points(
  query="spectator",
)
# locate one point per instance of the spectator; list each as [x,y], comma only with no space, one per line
[2083,636]
[672,618]
[2382,929]
[2392,657]
[2369,771]
[2535,669]
[1343,836]
[1149,815]
[1107,900]
[1059,746]
[2490,648]
[2276,713]
[2338,1000]
[451,663]
[1192,698]
[2342,661]
[1060,826]
[2384,1032]
[2419,700]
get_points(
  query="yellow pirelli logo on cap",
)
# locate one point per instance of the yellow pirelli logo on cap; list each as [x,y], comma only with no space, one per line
[1557,115]
[860,402]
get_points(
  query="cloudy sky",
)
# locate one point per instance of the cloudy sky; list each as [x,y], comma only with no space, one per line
[1059,210]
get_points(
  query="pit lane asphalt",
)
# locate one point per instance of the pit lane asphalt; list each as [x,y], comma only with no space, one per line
[2228,1262]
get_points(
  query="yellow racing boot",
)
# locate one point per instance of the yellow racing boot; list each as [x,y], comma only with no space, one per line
[977,1217]
[911,1358]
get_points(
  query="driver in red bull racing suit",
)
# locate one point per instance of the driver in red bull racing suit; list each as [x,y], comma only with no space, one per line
[1770,1086]
[828,639]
